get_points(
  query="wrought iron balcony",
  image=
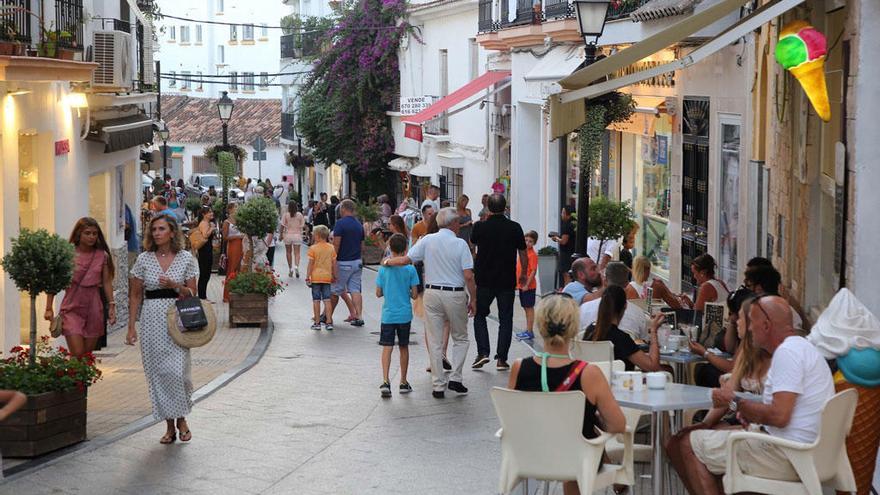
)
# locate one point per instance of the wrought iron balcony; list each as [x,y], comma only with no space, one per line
[525,14]
[485,23]
[16,25]
[500,124]
[558,9]
[288,131]
[300,45]
[69,23]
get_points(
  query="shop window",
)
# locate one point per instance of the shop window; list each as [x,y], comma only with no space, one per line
[184,34]
[451,180]
[728,211]
[653,157]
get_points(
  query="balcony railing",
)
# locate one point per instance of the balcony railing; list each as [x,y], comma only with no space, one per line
[623,9]
[552,9]
[525,14]
[500,124]
[287,126]
[485,22]
[17,22]
[558,9]
[300,45]
[69,19]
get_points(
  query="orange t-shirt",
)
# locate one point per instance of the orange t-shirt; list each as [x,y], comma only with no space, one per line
[419,230]
[533,267]
[322,256]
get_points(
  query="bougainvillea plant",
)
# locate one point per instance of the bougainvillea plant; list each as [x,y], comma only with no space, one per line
[355,80]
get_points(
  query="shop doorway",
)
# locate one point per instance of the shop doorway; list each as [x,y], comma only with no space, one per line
[695,185]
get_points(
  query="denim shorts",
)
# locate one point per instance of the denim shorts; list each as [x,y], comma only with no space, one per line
[348,277]
[320,292]
[389,330]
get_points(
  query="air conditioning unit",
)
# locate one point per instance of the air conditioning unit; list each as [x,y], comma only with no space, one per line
[112,51]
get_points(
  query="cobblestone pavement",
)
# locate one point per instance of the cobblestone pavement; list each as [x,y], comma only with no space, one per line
[307,419]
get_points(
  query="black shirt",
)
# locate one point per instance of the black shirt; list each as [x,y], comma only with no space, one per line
[624,346]
[566,250]
[626,257]
[498,240]
[529,379]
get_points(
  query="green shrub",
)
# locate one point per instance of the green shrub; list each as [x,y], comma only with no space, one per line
[256,282]
[609,219]
[548,251]
[257,217]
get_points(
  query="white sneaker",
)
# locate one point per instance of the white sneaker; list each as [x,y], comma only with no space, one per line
[297,273]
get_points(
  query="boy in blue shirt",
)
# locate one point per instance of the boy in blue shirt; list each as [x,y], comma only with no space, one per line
[398,284]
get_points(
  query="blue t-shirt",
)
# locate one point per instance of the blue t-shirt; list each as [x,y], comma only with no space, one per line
[396,283]
[352,233]
[576,290]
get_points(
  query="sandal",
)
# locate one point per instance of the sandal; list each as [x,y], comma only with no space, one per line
[186,436]
[168,438]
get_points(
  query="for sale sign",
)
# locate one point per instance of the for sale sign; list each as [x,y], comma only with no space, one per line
[411,105]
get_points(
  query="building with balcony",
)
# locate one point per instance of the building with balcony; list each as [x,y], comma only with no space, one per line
[233,50]
[72,130]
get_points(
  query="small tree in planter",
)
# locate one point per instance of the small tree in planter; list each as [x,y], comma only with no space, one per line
[39,262]
[609,220]
[372,248]
[547,263]
[256,218]
[250,289]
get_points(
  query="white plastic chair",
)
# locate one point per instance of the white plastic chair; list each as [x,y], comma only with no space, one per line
[589,351]
[535,445]
[823,461]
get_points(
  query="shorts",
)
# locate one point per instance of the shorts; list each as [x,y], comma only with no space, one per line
[320,292]
[348,277]
[755,457]
[527,298]
[388,330]
[295,240]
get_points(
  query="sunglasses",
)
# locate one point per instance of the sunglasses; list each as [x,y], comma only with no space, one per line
[560,294]
[757,302]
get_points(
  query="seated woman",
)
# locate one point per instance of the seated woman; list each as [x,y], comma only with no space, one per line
[642,280]
[708,374]
[557,320]
[611,309]
[709,288]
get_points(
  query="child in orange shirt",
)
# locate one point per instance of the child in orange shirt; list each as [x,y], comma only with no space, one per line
[527,291]
[321,273]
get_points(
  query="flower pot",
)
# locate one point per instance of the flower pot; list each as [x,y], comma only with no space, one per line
[47,422]
[371,255]
[547,273]
[66,53]
[47,49]
[249,310]
[13,48]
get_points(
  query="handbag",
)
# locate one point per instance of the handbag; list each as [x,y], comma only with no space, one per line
[192,315]
[197,239]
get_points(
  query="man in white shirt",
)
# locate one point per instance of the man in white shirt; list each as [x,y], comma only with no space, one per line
[450,295]
[634,322]
[797,386]
[433,198]
[609,247]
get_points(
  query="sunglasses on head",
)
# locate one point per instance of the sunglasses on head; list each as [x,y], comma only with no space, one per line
[561,294]
[757,302]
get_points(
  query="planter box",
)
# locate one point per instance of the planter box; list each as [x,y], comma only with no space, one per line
[11,48]
[371,255]
[248,309]
[47,422]
[547,273]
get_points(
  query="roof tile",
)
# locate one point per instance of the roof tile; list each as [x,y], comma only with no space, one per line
[195,120]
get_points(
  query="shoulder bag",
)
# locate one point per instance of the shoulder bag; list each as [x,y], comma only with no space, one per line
[197,239]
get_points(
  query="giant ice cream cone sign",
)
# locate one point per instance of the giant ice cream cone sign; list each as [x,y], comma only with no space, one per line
[801,50]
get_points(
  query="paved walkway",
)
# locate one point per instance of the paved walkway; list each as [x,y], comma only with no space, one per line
[121,397]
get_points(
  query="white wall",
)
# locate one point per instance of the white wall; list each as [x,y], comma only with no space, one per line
[260,56]
[272,168]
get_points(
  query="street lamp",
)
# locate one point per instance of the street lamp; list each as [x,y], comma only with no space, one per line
[224,107]
[164,133]
[591,16]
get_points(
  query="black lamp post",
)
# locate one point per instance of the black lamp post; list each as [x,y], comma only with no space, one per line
[164,133]
[591,16]
[224,109]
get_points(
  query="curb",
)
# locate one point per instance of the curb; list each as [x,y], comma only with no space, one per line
[202,393]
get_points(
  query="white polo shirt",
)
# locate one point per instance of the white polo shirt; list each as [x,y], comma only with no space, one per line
[634,322]
[445,257]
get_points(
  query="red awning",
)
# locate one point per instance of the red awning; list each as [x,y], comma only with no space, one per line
[447,102]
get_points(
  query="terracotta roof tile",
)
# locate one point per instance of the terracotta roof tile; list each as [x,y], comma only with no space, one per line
[195,120]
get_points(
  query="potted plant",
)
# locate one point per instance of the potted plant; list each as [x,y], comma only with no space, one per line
[547,264]
[609,220]
[55,382]
[48,47]
[192,206]
[249,294]
[9,42]
[255,219]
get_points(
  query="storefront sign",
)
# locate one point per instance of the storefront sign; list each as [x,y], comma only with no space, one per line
[665,80]
[62,147]
[413,131]
[411,105]
[662,150]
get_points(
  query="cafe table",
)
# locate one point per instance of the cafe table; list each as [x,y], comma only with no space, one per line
[676,397]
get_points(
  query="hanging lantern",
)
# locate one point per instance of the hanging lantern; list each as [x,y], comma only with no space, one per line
[801,50]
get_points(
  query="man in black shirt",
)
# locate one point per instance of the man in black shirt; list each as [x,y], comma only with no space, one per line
[566,242]
[498,240]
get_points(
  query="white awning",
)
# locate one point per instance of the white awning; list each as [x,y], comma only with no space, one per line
[579,82]
[401,164]
[423,170]
[450,159]
[558,63]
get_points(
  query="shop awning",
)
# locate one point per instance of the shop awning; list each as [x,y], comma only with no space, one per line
[414,122]
[123,132]
[590,81]
[557,64]
[423,170]
[658,9]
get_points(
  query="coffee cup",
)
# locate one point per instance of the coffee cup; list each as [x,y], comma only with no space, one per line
[656,380]
[617,380]
[637,380]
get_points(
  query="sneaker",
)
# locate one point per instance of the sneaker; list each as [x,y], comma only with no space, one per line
[385,389]
[480,361]
[357,322]
[328,327]
[296,271]
[290,274]
[438,394]
[323,318]
[316,326]
[458,388]
[502,365]
[525,336]
[405,388]
[447,366]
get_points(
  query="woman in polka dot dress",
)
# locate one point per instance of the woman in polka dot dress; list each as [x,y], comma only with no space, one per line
[163,272]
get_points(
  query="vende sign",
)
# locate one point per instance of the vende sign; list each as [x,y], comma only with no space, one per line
[411,105]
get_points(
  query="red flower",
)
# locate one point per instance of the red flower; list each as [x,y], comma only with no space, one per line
[17,348]
[59,373]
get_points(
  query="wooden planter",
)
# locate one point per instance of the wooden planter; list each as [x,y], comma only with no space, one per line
[249,310]
[47,422]
[371,255]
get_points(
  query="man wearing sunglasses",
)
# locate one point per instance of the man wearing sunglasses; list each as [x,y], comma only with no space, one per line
[797,386]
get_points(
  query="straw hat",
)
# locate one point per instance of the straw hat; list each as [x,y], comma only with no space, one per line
[192,338]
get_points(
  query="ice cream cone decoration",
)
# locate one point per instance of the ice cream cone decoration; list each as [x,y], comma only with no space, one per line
[801,50]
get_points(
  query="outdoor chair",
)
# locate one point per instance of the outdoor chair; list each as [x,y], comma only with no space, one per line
[553,449]
[589,351]
[823,461]
[614,449]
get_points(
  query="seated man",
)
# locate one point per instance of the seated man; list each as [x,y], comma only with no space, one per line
[587,281]
[796,389]
[634,321]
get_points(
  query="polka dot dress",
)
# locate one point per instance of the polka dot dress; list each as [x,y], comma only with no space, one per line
[166,364]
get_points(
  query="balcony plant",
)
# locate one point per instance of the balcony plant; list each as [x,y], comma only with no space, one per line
[9,40]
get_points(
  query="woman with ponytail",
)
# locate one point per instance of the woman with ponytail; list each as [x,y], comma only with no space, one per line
[611,310]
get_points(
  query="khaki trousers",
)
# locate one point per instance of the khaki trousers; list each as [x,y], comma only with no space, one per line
[442,306]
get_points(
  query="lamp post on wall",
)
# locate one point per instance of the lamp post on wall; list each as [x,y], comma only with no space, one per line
[224,109]
[591,16]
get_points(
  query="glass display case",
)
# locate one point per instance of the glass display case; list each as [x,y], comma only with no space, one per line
[654,194]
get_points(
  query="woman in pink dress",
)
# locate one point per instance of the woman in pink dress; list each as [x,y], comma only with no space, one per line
[82,309]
